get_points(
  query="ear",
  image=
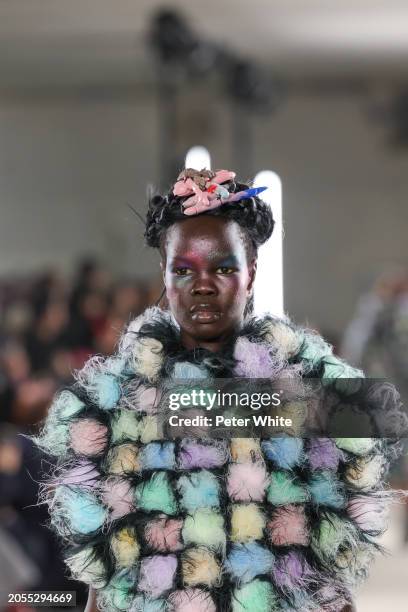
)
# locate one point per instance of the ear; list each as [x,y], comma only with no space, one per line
[252,274]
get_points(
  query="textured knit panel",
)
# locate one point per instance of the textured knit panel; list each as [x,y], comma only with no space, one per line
[207,525]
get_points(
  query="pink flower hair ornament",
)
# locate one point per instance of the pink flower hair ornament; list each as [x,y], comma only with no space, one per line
[206,191]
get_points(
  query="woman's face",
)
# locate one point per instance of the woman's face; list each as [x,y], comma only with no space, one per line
[208,279]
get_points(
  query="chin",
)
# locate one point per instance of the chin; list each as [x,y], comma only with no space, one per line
[209,331]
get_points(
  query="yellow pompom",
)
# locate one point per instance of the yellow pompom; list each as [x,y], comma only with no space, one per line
[244,450]
[284,338]
[200,566]
[125,547]
[247,523]
[123,459]
[149,429]
[365,473]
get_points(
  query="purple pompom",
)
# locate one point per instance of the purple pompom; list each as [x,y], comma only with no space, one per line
[323,454]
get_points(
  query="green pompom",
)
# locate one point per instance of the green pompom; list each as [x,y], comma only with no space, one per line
[116,595]
[357,446]
[126,425]
[332,533]
[156,494]
[256,596]
[285,490]
[205,527]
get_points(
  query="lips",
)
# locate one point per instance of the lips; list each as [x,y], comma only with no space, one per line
[205,313]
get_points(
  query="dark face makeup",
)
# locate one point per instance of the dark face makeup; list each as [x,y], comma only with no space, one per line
[208,279]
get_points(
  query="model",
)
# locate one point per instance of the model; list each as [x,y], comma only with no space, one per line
[208,524]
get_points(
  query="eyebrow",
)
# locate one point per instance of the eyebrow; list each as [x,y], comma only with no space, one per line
[227,259]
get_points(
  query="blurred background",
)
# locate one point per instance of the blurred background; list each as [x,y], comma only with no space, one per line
[100,99]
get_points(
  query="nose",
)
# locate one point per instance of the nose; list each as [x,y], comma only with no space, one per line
[203,285]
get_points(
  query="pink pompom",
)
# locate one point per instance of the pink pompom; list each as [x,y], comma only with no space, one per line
[247,482]
[192,600]
[88,437]
[369,513]
[164,534]
[146,399]
[117,494]
[288,526]
[157,574]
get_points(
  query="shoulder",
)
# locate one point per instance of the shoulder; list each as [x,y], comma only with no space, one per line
[295,344]
[85,408]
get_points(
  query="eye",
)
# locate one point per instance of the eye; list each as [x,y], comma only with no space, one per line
[181,271]
[226,270]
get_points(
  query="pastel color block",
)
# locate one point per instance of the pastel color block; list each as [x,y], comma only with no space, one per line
[125,426]
[125,547]
[187,370]
[156,493]
[199,490]
[118,495]
[117,594]
[149,429]
[286,453]
[88,437]
[141,603]
[106,390]
[86,567]
[366,472]
[158,455]
[323,454]
[83,474]
[67,405]
[81,510]
[245,450]
[247,561]
[285,489]
[247,523]
[369,513]
[191,600]
[255,596]
[200,567]
[197,455]
[291,571]
[205,527]
[247,481]
[357,446]
[288,526]
[332,533]
[157,574]
[164,534]
[123,459]
[326,490]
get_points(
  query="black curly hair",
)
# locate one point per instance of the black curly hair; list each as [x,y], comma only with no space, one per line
[253,216]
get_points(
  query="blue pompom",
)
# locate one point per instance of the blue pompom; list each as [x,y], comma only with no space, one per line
[185,369]
[142,603]
[284,452]
[199,490]
[325,490]
[80,509]
[158,456]
[246,561]
[106,390]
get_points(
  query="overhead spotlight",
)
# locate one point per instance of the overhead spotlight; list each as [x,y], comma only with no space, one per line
[171,37]
[175,42]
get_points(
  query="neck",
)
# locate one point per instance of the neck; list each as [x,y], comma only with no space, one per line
[215,345]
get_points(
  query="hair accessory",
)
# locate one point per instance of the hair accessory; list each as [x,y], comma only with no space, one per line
[204,187]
